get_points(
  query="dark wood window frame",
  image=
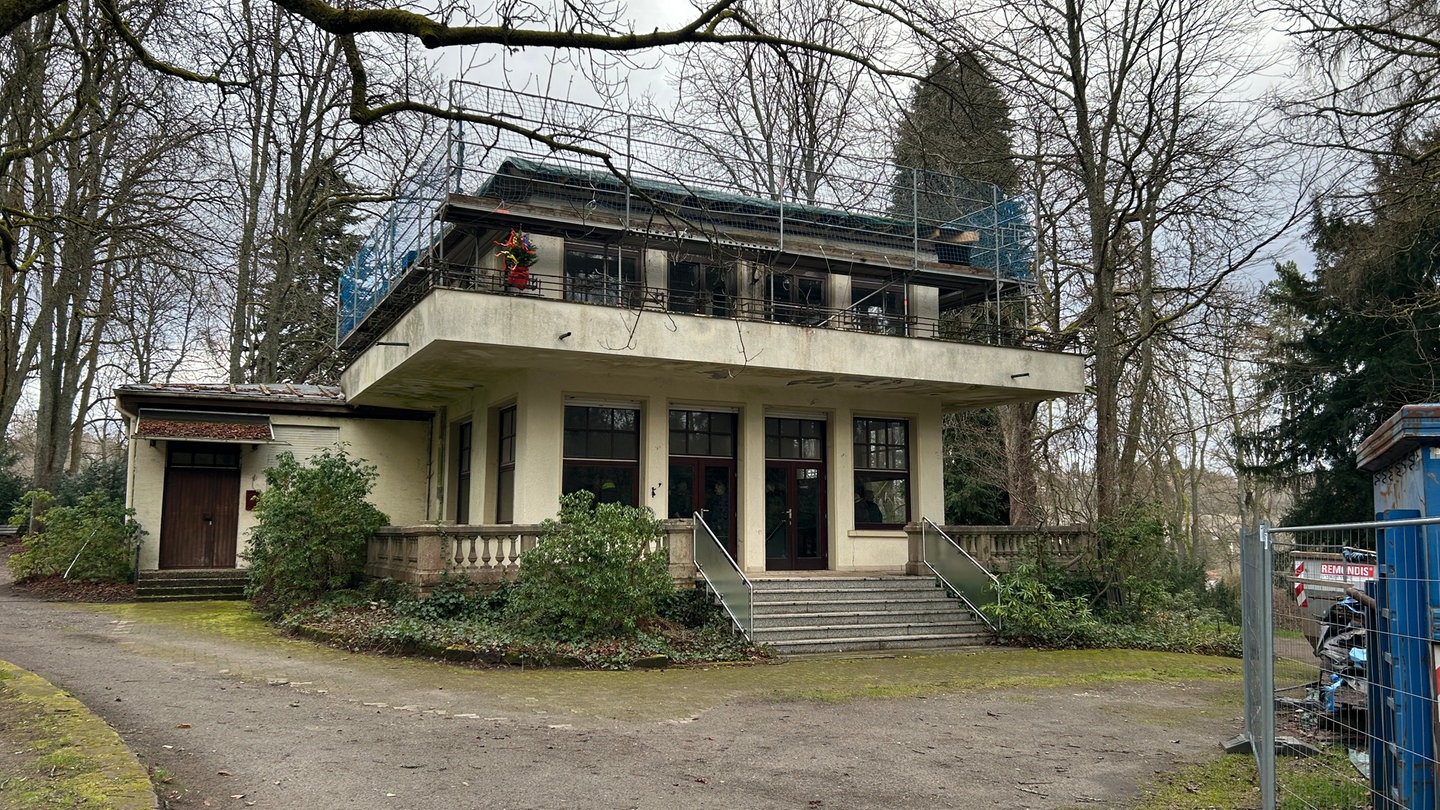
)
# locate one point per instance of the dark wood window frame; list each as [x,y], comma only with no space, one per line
[602,273]
[464,448]
[601,452]
[202,455]
[882,462]
[699,287]
[796,296]
[505,447]
[878,306]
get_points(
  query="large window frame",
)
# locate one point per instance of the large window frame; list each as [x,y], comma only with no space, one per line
[602,273]
[203,455]
[464,448]
[882,472]
[699,287]
[505,447]
[601,449]
[795,297]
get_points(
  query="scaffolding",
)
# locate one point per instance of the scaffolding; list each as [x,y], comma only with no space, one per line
[665,178]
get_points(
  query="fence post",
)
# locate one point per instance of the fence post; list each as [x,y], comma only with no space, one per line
[1258,641]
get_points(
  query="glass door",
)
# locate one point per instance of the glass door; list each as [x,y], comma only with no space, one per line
[702,470]
[796,533]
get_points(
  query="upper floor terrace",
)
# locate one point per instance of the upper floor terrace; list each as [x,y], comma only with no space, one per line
[671,226]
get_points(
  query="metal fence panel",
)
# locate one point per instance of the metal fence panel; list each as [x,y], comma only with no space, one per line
[1339,675]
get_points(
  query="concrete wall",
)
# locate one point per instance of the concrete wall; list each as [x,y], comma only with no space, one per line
[395,447]
[424,356]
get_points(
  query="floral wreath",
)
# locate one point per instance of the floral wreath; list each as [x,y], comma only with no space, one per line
[518,254]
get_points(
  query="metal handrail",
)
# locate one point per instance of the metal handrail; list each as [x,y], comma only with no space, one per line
[746,625]
[951,586]
[430,272]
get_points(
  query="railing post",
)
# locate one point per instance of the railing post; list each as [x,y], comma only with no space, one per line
[915,541]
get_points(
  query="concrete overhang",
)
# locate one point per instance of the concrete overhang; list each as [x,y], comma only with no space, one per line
[451,341]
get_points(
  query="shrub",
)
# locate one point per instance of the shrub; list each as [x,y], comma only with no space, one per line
[691,607]
[1026,609]
[13,485]
[98,534]
[591,575]
[313,521]
[455,597]
[1030,612]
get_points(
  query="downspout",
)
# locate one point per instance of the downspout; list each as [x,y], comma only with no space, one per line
[430,464]
[134,431]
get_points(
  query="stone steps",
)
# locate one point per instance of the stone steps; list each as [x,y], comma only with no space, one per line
[844,614]
[191,585]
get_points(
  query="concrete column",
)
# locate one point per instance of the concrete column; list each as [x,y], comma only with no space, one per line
[750,469]
[550,263]
[539,437]
[655,454]
[927,466]
[838,294]
[924,303]
[840,469]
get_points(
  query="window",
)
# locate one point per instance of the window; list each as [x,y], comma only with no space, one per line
[505,465]
[223,456]
[702,433]
[601,274]
[878,307]
[696,287]
[795,298]
[464,443]
[602,452]
[882,473]
[794,439]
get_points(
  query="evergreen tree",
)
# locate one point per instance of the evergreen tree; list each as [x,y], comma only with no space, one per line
[953,156]
[953,143]
[1363,339]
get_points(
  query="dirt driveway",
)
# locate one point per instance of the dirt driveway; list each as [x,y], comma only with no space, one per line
[240,718]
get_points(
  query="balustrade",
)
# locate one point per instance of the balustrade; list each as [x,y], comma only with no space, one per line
[488,555]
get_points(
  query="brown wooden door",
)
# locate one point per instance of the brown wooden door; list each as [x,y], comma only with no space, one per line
[200,519]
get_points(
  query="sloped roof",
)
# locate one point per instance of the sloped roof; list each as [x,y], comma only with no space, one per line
[247,397]
[255,392]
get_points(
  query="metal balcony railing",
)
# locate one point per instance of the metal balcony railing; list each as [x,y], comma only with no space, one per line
[611,292]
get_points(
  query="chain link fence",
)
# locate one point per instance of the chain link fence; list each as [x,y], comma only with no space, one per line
[1339,671]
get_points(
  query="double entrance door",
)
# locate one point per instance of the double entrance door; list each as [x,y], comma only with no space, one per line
[702,480]
[702,470]
[705,486]
[795,518]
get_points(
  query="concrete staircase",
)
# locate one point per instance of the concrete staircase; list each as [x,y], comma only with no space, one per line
[850,613]
[191,584]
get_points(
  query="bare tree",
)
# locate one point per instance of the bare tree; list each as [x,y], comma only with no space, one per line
[1137,145]
[1375,70]
[781,120]
[90,185]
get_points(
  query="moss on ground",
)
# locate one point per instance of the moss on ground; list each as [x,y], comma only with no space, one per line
[58,754]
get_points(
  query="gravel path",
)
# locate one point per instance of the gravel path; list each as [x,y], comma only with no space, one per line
[240,718]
